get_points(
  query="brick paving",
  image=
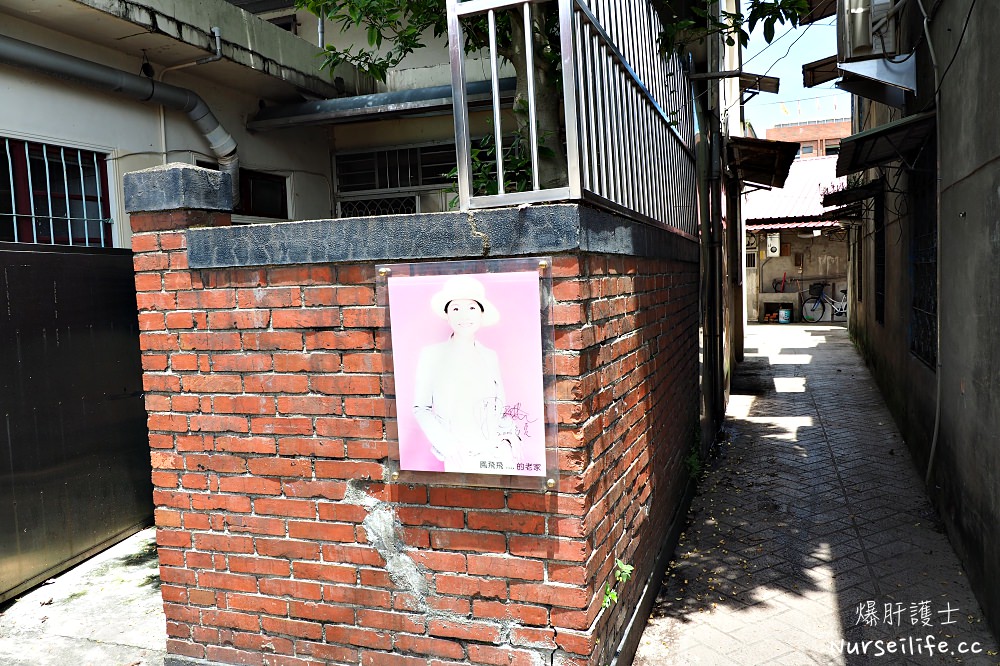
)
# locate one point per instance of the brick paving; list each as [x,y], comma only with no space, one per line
[812,515]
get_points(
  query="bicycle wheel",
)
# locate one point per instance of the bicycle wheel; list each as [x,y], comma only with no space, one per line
[813,310]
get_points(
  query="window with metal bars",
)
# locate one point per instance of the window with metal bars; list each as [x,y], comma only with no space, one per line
[923,259]
[55,195]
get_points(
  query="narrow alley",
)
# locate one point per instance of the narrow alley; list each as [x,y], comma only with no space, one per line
[811,534]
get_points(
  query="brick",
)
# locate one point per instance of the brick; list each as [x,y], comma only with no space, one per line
[255,525]
[242,362]
[285,507]
[306,318]
[356,596]
[256,604]
[348,469]
[506,567]
[309,404]
[223,544]
[352,384]
[505,521]
[248,485]
[361,637]
[322,531]
[398,622]
[549,548]
[434,647]
[471,586]
[286,467]
[333,490]
[271,340]
[239,319]
[468,541]
[281,425]
[345,340]
[550,594]
[322,612]
[291,588]
[433,517]
[296,628]
[212,383]
[472,631]
[467,497]
[276,383]
[230,444]
[227,581]
[307,362]
[505,610]
[243,404]
[269,297]
[349,427]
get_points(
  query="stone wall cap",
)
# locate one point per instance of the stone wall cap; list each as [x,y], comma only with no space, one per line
[177,186]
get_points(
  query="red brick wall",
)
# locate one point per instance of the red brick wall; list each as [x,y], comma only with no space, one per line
[283,542]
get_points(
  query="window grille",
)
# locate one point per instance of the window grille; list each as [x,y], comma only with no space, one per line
[923,260]
[54,195]
[752,259]
[378,206]
[879,238]
[395,168]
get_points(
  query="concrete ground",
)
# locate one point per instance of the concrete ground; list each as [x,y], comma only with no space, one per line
[106,611]
[811,532]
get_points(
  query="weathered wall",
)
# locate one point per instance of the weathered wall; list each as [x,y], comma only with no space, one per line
[281,536]
[131,133]
[965,481]
[824,259]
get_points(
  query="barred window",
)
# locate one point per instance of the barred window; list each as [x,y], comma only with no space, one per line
[54,195]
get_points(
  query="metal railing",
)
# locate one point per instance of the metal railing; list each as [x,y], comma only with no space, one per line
[53,195]
[627,109]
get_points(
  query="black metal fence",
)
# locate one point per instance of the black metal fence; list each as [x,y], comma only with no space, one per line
[74,452]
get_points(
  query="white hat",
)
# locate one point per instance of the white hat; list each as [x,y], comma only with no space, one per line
[464,286]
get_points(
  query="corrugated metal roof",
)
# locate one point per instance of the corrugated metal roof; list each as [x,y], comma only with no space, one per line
[808,224]
[801,198]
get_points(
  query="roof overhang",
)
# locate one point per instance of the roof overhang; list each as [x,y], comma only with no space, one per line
[820,71]
[880,79]
[759,82]
[761,161]
[763,225]
[818,9]
[851,195]
[830,218]
[898,140]
[435,100]
[257,58]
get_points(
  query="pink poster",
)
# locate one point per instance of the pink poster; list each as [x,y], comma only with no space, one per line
[467,358]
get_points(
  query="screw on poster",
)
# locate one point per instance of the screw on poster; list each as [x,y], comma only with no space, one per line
[468,372]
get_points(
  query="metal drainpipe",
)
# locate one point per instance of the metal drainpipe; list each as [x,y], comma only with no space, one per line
[937,213]
[63,66]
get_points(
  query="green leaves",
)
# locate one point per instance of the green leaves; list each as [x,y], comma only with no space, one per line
[393,29]
[684,25]
[623,572]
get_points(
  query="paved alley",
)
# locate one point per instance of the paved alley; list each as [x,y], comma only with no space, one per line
[811,540]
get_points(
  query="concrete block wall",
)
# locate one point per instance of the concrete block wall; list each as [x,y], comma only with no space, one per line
[282,538]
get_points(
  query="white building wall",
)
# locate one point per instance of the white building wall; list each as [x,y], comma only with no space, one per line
[137,135]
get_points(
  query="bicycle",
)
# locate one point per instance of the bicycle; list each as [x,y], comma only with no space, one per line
[814,307]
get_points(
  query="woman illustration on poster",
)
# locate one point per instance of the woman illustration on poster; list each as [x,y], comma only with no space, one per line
[458,393]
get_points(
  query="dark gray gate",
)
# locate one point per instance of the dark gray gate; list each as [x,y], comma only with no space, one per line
[74,452]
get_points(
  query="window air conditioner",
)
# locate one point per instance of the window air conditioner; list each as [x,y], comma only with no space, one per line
[865,29]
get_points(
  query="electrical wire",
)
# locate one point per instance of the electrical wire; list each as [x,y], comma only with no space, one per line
[958,47]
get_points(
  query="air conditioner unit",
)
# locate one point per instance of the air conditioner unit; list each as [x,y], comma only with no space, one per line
[773,247]
[865,29]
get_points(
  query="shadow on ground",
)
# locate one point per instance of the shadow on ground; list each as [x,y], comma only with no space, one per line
[810,527]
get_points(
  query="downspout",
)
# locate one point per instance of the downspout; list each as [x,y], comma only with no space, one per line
[67,67]
[937,221]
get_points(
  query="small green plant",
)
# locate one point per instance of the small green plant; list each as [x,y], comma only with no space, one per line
[623,572]
[693,462]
